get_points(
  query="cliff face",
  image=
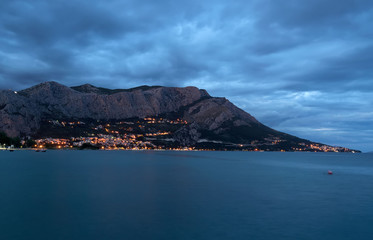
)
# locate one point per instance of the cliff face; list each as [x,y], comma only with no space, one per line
[20,113]
[61,101]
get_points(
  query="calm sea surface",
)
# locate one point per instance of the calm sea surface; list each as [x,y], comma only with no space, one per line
[185,195]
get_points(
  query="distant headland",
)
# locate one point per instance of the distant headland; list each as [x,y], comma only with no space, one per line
[51,115]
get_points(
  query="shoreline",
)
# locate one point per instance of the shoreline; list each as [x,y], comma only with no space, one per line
[173,150]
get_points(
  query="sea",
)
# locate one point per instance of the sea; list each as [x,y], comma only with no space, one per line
[170,195]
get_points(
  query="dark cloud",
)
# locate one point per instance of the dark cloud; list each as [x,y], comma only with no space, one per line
[304,67]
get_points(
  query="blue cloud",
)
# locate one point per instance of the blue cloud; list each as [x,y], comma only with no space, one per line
[300,67]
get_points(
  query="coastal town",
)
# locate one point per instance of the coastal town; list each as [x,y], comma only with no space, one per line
[149,133]
[130,142]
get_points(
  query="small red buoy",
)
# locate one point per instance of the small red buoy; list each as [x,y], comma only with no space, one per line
[330,172]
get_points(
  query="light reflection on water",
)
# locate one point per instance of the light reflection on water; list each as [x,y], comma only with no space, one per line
[185,195]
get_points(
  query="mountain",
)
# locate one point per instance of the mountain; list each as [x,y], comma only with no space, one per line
[21,113]
[206,120]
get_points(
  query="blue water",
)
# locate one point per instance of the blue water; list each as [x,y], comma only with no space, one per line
[185,195]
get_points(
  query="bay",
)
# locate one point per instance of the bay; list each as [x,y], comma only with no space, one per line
[185,195]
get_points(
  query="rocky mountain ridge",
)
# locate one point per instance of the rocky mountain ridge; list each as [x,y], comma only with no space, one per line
[21,111]
[209,118]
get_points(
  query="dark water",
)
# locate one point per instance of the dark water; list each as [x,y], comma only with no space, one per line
[185,195]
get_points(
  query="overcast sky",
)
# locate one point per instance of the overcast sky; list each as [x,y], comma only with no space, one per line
[304,67]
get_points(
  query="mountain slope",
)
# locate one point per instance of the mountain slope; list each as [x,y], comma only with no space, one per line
[61,101]
[21,113]
[210,119]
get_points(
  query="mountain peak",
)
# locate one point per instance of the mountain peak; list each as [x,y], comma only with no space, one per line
[50,87]
[86,88]
[48,84]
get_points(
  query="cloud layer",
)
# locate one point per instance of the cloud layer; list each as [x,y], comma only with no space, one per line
[303,67]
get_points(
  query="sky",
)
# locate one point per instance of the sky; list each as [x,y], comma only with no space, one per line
[302,67]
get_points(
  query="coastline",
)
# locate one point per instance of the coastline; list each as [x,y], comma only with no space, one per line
[173,150]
